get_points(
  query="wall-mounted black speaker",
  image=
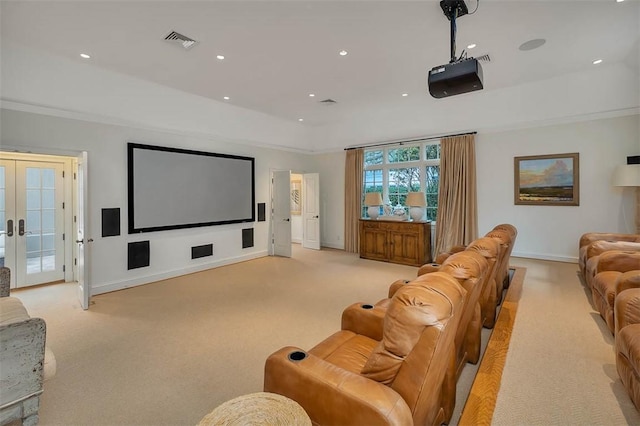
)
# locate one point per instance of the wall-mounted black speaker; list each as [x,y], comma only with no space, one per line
[247,237]
[138,255]
[110,222]
[262,207]
[202,251]
[633,159]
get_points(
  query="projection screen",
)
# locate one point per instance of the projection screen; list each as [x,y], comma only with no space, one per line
[171,188]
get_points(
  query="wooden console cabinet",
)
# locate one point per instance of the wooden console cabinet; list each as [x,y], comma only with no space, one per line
[408,243]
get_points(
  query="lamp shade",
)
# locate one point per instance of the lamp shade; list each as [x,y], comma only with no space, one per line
[626,175]
[373,199]
[415,199]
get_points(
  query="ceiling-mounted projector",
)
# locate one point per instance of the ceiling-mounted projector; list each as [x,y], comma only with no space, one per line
[455,78]
[459,75]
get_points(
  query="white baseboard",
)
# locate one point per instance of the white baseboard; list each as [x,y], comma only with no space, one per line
[120,285]
[333,245]
[555,258]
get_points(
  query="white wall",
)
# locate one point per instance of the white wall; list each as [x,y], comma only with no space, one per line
[545,232]
[106,146]
[552,232]
[331,169]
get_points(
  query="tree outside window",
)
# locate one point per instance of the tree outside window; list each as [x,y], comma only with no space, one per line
[398,169]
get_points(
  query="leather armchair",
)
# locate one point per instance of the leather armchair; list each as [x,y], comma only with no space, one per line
[354,379]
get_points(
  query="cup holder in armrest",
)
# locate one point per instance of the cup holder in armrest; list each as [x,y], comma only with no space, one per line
[366,306]
[407,281]
[297,356]
[435,264]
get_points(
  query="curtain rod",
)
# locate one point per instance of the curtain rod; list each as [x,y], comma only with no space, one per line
[427,138]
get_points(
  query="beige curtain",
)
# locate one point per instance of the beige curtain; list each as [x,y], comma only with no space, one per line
[457,221]
[353,175]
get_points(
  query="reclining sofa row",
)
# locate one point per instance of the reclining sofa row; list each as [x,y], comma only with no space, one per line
[610,265]
[397,361]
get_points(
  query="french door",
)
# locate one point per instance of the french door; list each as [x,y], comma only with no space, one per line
[32,221]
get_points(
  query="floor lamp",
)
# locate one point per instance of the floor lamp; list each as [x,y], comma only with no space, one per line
[629,175]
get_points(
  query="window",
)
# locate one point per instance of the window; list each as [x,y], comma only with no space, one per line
[398,169]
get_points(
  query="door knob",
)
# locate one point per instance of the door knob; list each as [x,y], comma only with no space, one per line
[316,217]
[10,228]
[21,227]
[286,220]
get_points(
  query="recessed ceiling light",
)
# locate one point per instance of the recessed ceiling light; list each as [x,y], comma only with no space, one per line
[405,95]
[343,53]
[597,61]
[471,46]
[619,1]
[226,98]
[300,119]
[85,56]
[532,44]
[221,57]
[311,95]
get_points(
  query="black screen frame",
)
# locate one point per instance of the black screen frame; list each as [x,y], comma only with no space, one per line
[132,229]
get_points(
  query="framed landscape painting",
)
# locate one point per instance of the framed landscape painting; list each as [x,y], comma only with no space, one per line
[550,180]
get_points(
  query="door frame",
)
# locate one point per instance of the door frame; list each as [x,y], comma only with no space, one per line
[69,157]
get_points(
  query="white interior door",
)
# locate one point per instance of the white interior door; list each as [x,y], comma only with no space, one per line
[32,208]
[311,210]
[281,213]
[82,239]
[7,217]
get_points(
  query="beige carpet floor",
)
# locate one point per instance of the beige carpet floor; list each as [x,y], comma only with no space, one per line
[560,368]
[169,352]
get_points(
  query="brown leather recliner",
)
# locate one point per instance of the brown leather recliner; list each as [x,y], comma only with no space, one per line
[596,249]
[502,273]
[491,250]
[353,379]
[627,343]
[469,268]
[617,271]
[590,237]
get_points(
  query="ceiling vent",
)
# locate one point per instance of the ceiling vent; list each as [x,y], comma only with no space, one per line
[484,58]
[183,40]
[328,102]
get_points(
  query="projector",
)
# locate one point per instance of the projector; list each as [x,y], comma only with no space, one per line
[455,78]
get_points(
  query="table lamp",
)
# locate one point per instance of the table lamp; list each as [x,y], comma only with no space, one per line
[374,201]
[416,203]
[629,175]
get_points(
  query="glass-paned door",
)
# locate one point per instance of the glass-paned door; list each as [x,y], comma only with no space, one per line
[32,202]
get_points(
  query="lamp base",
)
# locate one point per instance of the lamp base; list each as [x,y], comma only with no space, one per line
[416,213]
[373,212]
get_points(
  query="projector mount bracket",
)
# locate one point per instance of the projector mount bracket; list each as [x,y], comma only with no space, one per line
[453,9]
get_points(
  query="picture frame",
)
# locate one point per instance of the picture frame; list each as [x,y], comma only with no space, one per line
[296,197]
[547,180]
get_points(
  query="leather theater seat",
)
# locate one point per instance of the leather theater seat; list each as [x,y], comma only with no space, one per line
[593,252]
[591,237]
[617,271]
[627,341]
[352,378]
